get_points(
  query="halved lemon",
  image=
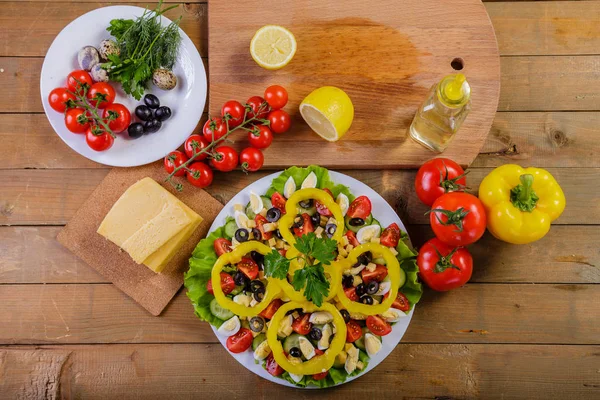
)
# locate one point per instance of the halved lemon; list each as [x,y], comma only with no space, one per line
[328,111]
[273,47]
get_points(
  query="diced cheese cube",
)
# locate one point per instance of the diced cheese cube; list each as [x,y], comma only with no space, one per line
[263,212]
[319,231]
[331,220]
[251,224]
[357,270]
[371,267]
[270,227]
[357,280]
[342,252]
[279,244]
[375,240]
[360,365]
[238,207]
[349,248]
[272,242]
[242,299]
[344,240]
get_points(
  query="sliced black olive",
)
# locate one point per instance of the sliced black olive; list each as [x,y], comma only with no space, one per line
[242,235]
[143,112]
[368,300]
[372,287]
[356,222]
[365,258]
[298,222]
[345,315]
[278,234]
[257,236]
[306,203]
[295,352]
[151,101]
[257,286]
[315,334]
[361,289]
[258,296]
[316,220]
[240,279]
[152,125]
[330,230]
[256,256]
[162,113]
[348,281]
[273,214]
[257,324]
[135,130]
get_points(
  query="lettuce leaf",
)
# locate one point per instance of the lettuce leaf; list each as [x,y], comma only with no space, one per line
[299,174]
[407,257]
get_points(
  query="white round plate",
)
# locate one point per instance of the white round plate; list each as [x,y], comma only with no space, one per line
[186,100]
[382,211]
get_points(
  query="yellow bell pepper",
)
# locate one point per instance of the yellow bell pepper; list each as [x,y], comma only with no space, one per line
[317,364]
[521,203]
[395,273]
[233,257]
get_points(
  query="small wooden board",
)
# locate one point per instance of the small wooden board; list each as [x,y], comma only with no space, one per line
[385,54]
[151,290]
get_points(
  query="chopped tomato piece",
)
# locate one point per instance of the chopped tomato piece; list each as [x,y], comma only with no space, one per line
[240,342]
[271,309]
[260,222]
[301,325]
[248,267]
[222,246]
[321,209]
[378,274]
[353,331]
[227,284]
[401,303]
[390,236]
[272,367]
[351,293]
[378,325]
[352,238]
[278,201]
[306,227]
[359,208]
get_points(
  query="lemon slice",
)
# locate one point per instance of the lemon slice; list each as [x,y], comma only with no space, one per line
[328,111]
[273,47]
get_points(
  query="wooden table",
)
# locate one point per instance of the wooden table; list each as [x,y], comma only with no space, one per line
[526,326]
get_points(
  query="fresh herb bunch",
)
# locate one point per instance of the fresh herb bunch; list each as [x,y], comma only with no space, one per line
[315,253]
[145,46]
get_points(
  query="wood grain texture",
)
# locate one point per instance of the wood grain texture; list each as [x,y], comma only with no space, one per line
[412,371]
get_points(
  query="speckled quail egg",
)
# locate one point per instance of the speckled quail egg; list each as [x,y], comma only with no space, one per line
[87,57]
[99,74]
[164,79]
[108,47]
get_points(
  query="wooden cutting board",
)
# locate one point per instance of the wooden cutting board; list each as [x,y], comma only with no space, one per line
[386,54]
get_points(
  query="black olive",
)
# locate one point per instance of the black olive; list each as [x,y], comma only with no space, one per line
[135,130]
[361,289]
[316,220]
[315,334]
[257,286]
[242,235]
[356,222]
[256,256]
[372,287]
[330,229]
[298,222]
[151,101]
[273,214]
[162,113]
[278,234]
[295,352]
[365,258]
[240,279]
[258,296]
[143,112]
[257,235]
[368,300]
[348,281]
[345,315]
[306,203]
[257,324]
[152,125]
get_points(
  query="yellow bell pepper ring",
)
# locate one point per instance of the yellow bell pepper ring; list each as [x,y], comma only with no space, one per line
[521,203]
[394,272]
[286,222]
[317,364]
[233,257]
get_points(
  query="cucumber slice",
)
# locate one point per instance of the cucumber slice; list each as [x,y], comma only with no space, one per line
[266,202]
[230,228]
[258,340]
[379,261]
[237,290]
[249,213]
[218,311]
[360,343]
[355,229]
[291,341]
[310,211]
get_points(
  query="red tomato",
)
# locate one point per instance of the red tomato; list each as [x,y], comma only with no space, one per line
[322,375]
[260,137]
[226,159]
[174,160]
[248,267]
[259,107]
[272,367]
[458,218]
[276,96]
[283,252]
[271,309]
[351,293]
[279,121]
[199,175]
[439,176]
[378,274]
[390,236]
[321,209]
[118,117]
[222,246]
[378,326]
[352,238]
[278,201]
[214,129]
[236,112]
[260,221]
[307,226]
[353,331]
[195,144]
[359,208]
[102,92]
[227,284]
[76,120]
[98,139]
[58,99]
[401,302]
[76,79]
[444,267]
[240,342]
[301,324]
[251,159]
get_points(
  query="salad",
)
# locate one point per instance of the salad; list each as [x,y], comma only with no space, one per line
[306,278]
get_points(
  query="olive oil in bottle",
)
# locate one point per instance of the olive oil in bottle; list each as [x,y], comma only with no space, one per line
[442,113]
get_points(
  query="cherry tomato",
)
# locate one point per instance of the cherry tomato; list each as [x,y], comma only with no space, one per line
[58,99]
[279,121]
[438,176]
[226,159]
[359,208]
[76,120]
[352,238]
[236,112]
[260,222]
[248,267]
[271,309]
[240,342]
[353,331]
[322,375]
[307,226]
[378,326]
[199,175]
[98,139]
[227,284]
[214,129]
[458,218]
[390,236]
[101,91]
[351,293]
[260,137]
[321,209]
[400,303]
[222,246]
[444,267]
[195,144]
[77,78]
[278,201]
[276,96]
[301,325]
[174,160]
[258,105]
[378,274]
[121,117]
[251,159]
[272,367]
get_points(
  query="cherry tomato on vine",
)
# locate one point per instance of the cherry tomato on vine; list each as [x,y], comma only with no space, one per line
[58,99]
[444,267]
[101,90]
[225,159]
[458,218]
[195,144]
[199,175]
[98,139]
[173,160]
[260,137]
[76,120]
[439,176]
[214,128]
[276,96]
[251,159]
[257,104]
[280,121]
[236,111]
[76,78]
[121,115]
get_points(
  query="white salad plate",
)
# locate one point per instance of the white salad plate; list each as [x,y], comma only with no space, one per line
[382,211]
[186,100]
